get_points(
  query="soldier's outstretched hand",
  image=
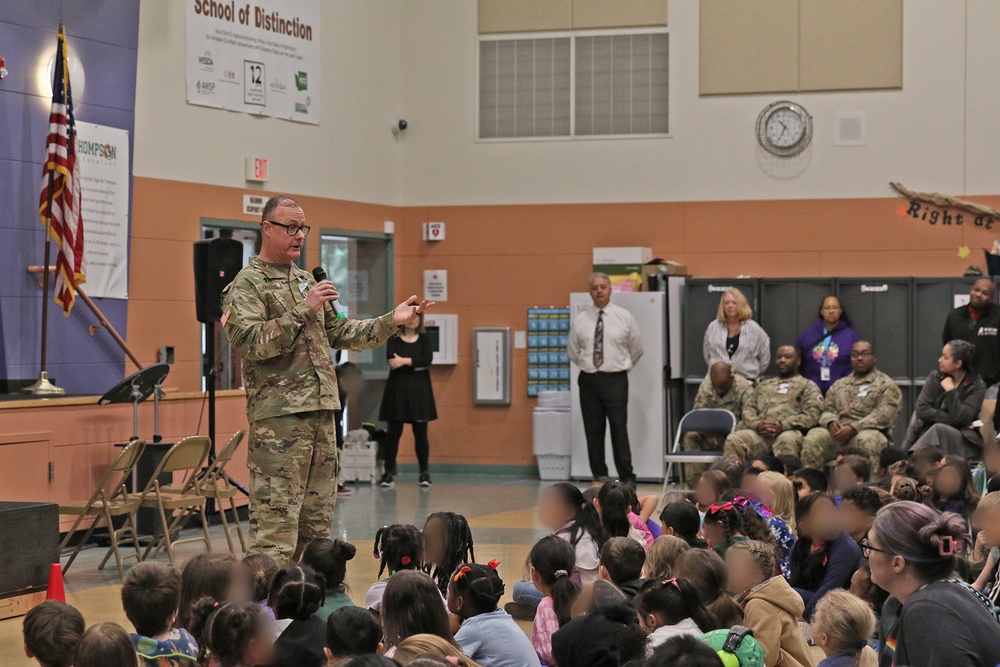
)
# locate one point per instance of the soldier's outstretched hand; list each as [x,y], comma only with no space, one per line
[409,311]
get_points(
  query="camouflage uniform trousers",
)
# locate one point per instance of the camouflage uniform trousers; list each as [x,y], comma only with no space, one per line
[699,442]
[293,482]
[819,447]
[747,444]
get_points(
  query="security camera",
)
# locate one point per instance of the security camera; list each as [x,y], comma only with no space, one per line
[399,125]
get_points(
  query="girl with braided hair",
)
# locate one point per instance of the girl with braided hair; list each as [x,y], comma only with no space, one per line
[488,634]
[398,547]
[297,593]
[723,527]
[447,545]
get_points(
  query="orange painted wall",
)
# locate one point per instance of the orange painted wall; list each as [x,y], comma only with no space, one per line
[501,260]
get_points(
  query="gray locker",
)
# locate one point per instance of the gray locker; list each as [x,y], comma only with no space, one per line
[788,306]
[701,304]
[880,310]
[933,299]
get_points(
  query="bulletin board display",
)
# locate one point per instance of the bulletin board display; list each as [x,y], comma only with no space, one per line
[548,361]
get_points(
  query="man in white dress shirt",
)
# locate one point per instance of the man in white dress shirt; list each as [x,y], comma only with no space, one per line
[604,343]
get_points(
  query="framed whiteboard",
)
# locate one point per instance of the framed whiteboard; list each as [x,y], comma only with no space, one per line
[491,375]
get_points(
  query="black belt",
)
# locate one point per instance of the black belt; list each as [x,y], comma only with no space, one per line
[605,373]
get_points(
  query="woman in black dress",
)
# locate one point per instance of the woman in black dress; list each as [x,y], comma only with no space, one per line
[408,398]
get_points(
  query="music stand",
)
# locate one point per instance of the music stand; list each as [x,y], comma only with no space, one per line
[135,389]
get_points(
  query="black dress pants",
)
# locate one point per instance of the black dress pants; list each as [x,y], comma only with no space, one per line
[604,399]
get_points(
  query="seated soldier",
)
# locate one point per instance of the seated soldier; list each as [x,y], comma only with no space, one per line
[949,405]
[722,390]
[780,410]
[859,411]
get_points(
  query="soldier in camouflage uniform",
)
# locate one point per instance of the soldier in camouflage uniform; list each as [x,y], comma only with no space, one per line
[284,326]
[721,390]
[778,413]
[860,411]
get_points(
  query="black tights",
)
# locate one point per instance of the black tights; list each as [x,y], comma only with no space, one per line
[421,444]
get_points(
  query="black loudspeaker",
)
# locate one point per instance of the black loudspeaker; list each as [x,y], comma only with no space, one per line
[216,263]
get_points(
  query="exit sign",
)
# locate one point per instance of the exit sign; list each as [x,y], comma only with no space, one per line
[256,169]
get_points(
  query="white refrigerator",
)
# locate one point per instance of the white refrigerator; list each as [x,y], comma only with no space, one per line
[648,417]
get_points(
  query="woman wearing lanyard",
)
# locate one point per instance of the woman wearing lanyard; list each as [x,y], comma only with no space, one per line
[825,347]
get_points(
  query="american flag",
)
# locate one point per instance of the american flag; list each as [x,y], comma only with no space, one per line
[61,185]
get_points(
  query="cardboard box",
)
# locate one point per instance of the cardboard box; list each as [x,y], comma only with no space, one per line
[628,255]
[667,268]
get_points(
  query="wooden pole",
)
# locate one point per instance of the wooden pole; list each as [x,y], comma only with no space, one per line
[97,311]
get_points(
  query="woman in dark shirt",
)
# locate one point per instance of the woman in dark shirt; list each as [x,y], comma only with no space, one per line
[408,398]
[932,618]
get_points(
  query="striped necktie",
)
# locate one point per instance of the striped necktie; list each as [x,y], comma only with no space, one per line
[599,340]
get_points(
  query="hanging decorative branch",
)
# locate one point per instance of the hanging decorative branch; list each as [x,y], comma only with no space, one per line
[945,201]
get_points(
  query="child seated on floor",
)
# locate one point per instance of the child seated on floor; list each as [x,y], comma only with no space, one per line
[329,558]
[218,576]
[551,562]
[771,608]
[351,632]
[614,506]
[622,559]
[808,480]
[866,590]
[988,539]
[851,471]
[105,645]
[662,555]
[682,519]
[841,627]
[952,489]
[151,596]
[52,631]
[448,544]
[234,635]
[723,527]
[825,557]
[669,608]
[488,635]
[858,508]
[563,510]
[296,595]
[398,547]
[709,489]
[261,569]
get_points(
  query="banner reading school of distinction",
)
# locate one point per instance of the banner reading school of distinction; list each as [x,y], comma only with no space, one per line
[102,153]
[260,57]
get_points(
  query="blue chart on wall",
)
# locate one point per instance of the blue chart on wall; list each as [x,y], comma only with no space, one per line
[548,362]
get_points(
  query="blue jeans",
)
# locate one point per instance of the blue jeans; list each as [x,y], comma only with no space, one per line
[525,593]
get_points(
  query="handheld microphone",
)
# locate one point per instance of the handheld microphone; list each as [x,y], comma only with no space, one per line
[320,275]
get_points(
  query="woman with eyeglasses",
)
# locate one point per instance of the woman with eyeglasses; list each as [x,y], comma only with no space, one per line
[932,618]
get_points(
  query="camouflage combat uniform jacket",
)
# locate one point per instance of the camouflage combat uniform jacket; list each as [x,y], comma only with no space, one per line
[733,400]
[285,345]
[869,402]
[796,402]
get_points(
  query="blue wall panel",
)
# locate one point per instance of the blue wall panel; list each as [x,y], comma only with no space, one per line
[104,35]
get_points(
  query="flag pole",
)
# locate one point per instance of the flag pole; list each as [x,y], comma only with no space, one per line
[44,387]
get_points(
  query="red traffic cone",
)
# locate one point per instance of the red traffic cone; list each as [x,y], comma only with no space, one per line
[56,589]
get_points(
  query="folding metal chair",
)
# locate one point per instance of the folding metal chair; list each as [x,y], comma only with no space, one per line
[109,500]
[186,459]
[705,420]
[214,483]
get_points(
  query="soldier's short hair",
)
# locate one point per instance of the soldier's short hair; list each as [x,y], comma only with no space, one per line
[276,201]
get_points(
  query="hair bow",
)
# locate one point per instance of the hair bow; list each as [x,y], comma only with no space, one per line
[560,573]
[724,507]
[405,560]
[462,572]
[493,564]
[667,582]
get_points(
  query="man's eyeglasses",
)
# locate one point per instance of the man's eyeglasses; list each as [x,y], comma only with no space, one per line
[292,229]
[867,549]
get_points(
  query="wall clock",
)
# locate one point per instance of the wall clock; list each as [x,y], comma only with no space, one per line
[784,129]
